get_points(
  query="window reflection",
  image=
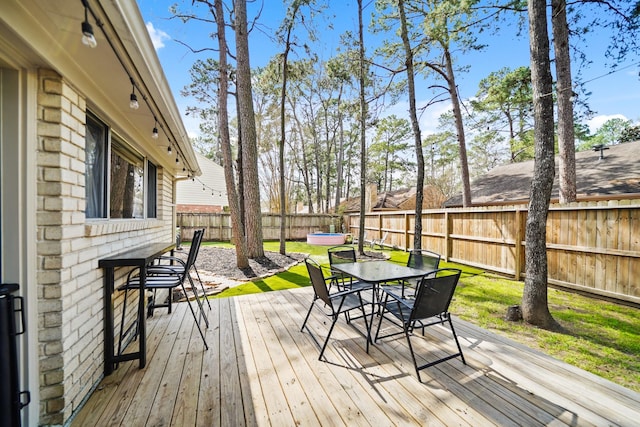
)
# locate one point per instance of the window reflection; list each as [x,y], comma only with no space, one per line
[127,183]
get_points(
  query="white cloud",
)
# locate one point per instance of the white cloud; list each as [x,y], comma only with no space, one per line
[158,37]
[596,122]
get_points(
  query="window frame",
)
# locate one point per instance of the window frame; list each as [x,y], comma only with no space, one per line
[114,143]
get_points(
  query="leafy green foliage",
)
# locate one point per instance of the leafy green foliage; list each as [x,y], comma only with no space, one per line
[389,153]
[610,133]
[503,111]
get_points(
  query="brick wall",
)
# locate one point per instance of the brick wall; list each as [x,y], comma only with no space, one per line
[70,284]
[182,208]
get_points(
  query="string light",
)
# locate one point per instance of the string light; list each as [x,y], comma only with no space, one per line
[88,39]
[154,134]
[214,192]
[133,99]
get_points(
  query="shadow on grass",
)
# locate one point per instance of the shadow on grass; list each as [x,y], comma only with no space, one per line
[290,279]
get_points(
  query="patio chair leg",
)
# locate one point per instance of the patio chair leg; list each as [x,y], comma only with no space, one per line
[413,356]
[195,318]
[200,305]
[308,313]
[326,341]
[455,337]
[202,286]
[124,309]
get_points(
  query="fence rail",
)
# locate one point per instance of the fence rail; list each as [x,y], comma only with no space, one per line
[218,225]
[593,248]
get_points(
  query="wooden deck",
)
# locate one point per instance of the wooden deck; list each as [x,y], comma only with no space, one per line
[261,370]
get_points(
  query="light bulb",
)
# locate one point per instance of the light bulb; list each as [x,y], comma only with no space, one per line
[133,101]
[88,38]
[169,150]
[154,134]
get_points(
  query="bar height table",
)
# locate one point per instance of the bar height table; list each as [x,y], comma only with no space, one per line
[138,257]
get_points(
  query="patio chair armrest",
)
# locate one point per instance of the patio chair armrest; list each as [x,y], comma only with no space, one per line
[171,258]
[364,286]
[162,270]
[398,298]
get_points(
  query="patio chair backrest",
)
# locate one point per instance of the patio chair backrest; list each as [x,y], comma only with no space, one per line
[424,260]
[194,249]
[434,293]
[341,254]
[317,281]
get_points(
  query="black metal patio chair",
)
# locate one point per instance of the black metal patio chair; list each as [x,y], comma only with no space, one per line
[178,265]
[429,307]
[338,255]
[420,259]
[338,302]
[167,278]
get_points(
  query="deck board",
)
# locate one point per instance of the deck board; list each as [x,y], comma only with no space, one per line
[260,370]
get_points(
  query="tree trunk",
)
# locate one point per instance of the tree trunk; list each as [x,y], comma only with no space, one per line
[534,298]
[566,137]
[239,170]
[457,114]
[363,128]
[225,142]
[283,96]
[415,126]
[340,152]
[253,217]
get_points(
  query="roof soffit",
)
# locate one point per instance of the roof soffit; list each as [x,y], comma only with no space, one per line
[51,29]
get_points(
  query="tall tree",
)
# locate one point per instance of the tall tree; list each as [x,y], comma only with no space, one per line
[535,308]
[448,26]
[248,145]
[288,28]
[387,153]
[415,124]
[503,106]
[225,140]
[363,127]
[564,93]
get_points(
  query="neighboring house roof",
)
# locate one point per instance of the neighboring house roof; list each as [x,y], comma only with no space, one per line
[401,199]
[207,189]
[617,173]
[47,34]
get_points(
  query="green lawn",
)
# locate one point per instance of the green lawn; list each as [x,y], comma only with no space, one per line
[600,337]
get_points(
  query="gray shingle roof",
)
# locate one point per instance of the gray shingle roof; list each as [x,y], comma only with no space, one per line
[618,173]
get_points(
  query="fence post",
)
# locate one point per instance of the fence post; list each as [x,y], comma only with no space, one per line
[517,266]
[406,231]
[447,232]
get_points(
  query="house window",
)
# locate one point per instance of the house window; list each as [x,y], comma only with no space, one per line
[152,190]
[122,196]
[96,168]
[127,182]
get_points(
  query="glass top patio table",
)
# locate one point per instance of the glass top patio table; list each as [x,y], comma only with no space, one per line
[379,271]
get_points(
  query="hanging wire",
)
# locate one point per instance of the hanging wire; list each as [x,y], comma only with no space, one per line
[180,154]
[206,188]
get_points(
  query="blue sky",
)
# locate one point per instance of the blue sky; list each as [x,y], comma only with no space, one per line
[613,95]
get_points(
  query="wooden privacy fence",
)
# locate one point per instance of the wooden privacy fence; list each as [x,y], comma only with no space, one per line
[218,225]
[592,248]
